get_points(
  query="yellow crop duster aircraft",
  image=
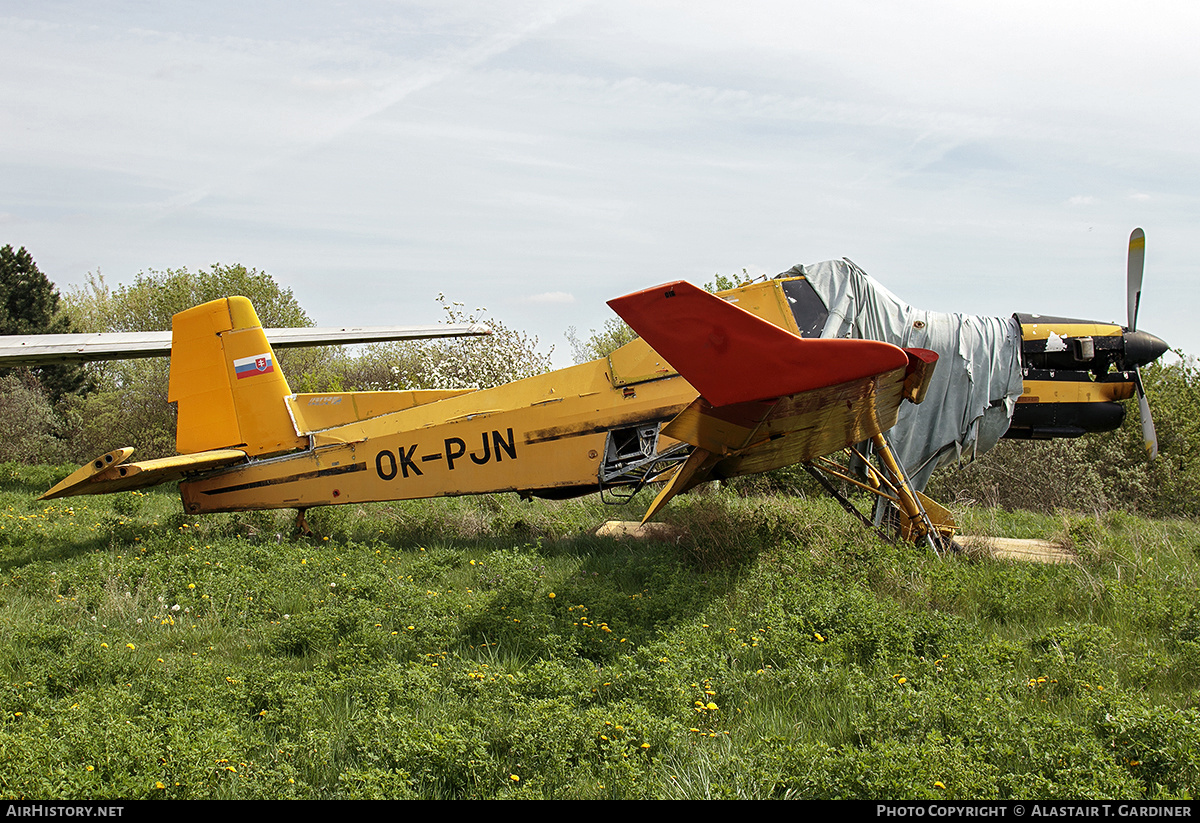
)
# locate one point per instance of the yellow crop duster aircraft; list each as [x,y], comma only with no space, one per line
[716,386]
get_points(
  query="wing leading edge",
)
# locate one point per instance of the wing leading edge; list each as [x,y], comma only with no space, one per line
[33,350]
[768,398]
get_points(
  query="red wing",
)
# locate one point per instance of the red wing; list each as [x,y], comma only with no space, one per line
[731,356]
[768,398]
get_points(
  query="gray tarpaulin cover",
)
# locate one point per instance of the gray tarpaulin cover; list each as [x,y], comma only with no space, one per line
[975,385]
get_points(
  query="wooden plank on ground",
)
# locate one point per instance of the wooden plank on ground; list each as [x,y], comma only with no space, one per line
[1010,548]
[634,530]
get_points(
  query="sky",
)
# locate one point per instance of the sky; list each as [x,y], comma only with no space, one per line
[539,158]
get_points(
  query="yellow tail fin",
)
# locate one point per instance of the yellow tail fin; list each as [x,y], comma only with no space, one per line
[227,382]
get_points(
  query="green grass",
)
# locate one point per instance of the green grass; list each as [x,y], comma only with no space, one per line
[485,647]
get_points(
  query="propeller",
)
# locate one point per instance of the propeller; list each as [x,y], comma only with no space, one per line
[1137,261]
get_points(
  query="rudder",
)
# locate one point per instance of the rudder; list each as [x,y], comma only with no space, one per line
[229,388]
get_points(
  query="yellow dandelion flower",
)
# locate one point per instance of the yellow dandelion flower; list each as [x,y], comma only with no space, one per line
[514,778]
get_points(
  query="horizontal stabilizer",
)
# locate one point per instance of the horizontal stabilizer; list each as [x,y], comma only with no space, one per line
[104,475]
[731,356]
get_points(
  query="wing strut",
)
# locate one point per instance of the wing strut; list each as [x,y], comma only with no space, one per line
[915,521]
[920,519]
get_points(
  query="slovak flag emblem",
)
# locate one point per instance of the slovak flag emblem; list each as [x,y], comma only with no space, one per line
[251,366]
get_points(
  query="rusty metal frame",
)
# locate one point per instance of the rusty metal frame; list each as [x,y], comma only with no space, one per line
[887,481]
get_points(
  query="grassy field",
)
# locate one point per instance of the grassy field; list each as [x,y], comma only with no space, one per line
[485,647]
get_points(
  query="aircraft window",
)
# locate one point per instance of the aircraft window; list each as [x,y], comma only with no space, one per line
[806,306]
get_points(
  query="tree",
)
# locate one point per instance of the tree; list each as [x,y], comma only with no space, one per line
[29,305]
[722,283]
[501,357]
[1099,472]
[28,423]
[149,302]
[613,336]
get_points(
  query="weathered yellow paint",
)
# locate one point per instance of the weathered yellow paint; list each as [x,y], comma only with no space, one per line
[818,422]
[263,419]
[1074,391]
[317,412]
[199,380]
[126,476]
[217,409]
[765,300]
[1043,330]
[85,473]
[636,362]
[542,433]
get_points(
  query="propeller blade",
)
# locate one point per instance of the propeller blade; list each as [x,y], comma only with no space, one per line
[1133,299]
[1149,437]
[1133,275]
